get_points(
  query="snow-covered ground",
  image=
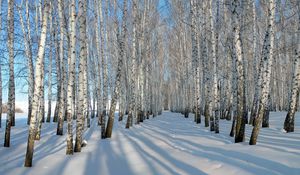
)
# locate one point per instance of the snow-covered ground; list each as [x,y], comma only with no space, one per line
[168,144]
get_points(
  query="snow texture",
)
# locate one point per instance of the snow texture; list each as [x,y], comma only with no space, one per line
[164,145]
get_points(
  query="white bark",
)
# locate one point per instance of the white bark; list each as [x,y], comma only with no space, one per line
[195,59]
[133,74]
[237,42]
[82,5]
[294,95]
[37,87]
[62,64]
[71,79]
[268,48]
[256,74]
[50,66]
[115,96]
[11,82]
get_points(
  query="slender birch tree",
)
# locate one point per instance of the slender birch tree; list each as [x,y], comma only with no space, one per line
[82,11]
[37,87]
[132,83]
[11,83]
[50,66]
[237,42]
[71,79]
[116,92]
[61,60]
[195,58]
[267,57]
[289,122]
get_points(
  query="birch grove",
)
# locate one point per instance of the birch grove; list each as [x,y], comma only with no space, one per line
[98,60]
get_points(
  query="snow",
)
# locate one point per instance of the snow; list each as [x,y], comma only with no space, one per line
[167,144]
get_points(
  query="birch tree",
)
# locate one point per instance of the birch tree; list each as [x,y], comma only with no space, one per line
[267,57]
[82,11]
[256,74]
[116,93]
[195,61]
[289,122]
[237,42]
[132,83]
[61,60]
[98,48]
[37,87]
[104,65]
[58,70]
[50,66]
[214,46]
[71,79]
[11,83]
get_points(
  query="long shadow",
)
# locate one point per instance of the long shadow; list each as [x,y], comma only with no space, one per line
[262,165]
[208,135]
[122,149]
[148,156]
[115,164]
[49,144]
[178,164]
[224,154]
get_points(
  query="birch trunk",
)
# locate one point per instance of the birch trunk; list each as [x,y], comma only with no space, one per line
[266,73]
[11,82]
[101,55]
[82,11]
[61,60]
[116,94]
[37,88]
[41,108]
[71,80]
[195,60]
[237,42]
[256,76]
[289,122]
[207,112]
[50,67]
[28,50]
[214,45]
[99,93]
[58,71]
[104,64]
[133,67]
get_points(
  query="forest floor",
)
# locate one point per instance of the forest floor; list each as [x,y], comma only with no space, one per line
[167,144]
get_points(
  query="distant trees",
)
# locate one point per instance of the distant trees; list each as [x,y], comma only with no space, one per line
[237,73]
